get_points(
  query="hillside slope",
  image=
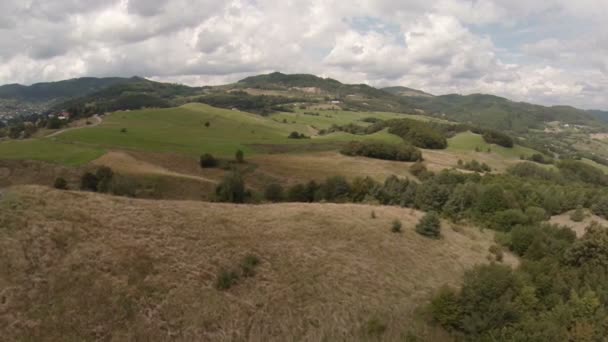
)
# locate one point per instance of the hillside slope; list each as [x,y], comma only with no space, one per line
[80,266]
[491,111]
[40,92]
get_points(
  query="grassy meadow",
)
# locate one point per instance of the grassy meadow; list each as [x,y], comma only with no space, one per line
[468,141]
[194,129]
[182,130]
[49,150]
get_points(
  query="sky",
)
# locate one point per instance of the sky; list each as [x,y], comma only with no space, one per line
[542,51]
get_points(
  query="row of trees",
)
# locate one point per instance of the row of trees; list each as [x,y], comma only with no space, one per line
[379,150]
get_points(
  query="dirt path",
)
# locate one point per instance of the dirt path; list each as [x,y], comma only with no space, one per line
[97,119]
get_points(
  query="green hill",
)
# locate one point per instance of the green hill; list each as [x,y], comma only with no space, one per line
[499,113]
[405,91]
[136,94]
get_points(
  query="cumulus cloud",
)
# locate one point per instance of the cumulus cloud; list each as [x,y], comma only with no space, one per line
[543,51]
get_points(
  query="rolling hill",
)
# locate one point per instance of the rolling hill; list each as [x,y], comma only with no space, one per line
[405,91]
[495,112]
[268,93]
[149,270]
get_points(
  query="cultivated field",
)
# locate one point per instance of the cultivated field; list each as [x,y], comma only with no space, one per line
[147,270]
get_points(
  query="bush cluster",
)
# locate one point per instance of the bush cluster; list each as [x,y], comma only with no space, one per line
[226,278]
[418,133]
[474,165]
[383,151]
[498,138]
[296,135]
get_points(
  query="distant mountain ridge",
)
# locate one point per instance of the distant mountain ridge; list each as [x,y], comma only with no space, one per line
[405,91]
[482,110]
[46,91]
[500,113]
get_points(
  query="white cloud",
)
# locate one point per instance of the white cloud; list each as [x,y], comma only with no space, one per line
[549,51]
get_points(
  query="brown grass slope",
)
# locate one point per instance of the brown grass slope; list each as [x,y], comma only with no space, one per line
[78,266]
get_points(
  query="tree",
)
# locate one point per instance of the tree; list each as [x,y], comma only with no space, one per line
[600,208]
[88,182]
[396,226]
[429,225]
[578,215]
[274,193]
[104,178]
[431,196]
[208,161]
[492,199]
[335,189]
[60,183]
[240,157]
[231,189]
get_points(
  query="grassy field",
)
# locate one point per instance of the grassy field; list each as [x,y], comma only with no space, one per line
[49,150]
[469,141]
[79,266]
[326,118]
[182,130]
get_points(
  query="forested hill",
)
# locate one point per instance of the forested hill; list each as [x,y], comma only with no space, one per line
[42,92]
[279,81]
[268,91]
[498,112]
[405,91]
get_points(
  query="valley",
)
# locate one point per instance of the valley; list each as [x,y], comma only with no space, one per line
[292,207]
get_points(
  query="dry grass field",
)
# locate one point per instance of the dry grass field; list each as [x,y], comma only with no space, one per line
[578,227]
[78,266]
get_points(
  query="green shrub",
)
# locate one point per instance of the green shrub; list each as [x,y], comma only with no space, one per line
[123,186]
[374,327]
[600,208]
[578,215]
[335,188]
[231,189]
[208,161]
[507,219]
[296,135]
[60,183]
[536,214]
[274,193]
[445,308]
[498,138]
[88,182]
[249,264]
[418,169]
[226,279]
[373,214]
[383,151]
[475,166]
[429,225]
[396,226]
[522,237]
[239,156]
[496,250]
[418,133]
[104,178]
